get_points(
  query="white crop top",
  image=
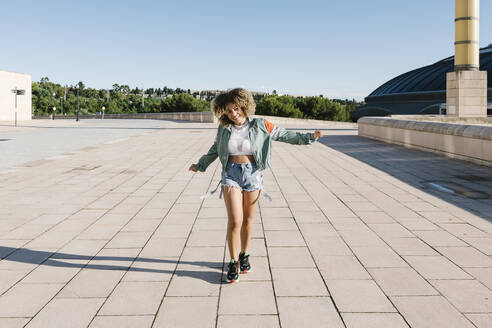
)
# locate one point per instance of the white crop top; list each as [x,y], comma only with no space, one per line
[239,142]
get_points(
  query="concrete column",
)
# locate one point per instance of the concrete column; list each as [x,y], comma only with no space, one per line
[466,87]
[466,35]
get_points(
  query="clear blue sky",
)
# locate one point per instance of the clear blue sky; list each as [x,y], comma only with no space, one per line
[338,48]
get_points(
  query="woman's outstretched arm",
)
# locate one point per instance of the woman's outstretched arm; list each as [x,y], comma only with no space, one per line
[295,138]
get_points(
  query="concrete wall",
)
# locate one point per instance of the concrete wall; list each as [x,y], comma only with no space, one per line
[203,117]
[463,141]
[289,120]
[8,82]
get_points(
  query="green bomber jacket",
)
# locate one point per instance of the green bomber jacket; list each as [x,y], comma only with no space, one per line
[261,134]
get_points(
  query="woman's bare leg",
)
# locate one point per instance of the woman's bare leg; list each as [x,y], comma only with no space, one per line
[233,200]
[250,201]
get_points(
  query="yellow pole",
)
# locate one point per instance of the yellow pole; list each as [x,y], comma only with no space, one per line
[466,45]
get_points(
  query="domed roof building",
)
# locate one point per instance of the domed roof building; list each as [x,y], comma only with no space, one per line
[421,91]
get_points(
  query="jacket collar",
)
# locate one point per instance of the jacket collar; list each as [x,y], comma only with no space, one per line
[251,122]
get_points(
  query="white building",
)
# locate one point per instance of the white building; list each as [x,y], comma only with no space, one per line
[15,86]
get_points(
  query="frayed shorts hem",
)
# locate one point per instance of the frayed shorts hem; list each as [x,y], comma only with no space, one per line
[235,185]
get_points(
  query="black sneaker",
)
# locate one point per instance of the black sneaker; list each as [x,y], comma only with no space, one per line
[244,263]
[232,272]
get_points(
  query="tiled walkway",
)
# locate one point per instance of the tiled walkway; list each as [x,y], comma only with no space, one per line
[359,234]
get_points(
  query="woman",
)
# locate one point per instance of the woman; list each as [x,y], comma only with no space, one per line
[243,145]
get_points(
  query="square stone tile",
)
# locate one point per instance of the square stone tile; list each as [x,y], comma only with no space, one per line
[440,217]
[144,269]
[466,295]
[378,257]
[100,231]
[308,312]
[113,259]
[466,257]
[328,246]
[347,223]
[463,230]
[206,238]
[374,320]
[362,206]
[375,217]
[276,212]
[439,238]
[247,321]
[211,224]
[480,320]
[390,280]
[92,283]
[194,280]
[429,312]
[310,217]
[256,298]
[163,247]
[302,206]
[318,230]
[129,240]
[279,224]
[141,225]
[173,218]
[9,278]
[484,275]
[212,212]
[212,257]
[391,230]
[77,311]
[482,244]
[361,237]
[172,231]
[134,298]
[436,267]
[13,322]
[55,271]
[298,282]
[80,249]
[358,296]
[418,224]
[341,267]
[410,246]
[175,312]
[284,238]
[108,321]
[290,257]
[25,300]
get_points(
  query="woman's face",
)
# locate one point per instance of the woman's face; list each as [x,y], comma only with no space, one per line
[235,114]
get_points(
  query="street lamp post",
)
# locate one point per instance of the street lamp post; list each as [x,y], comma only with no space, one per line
[143,101]
[64,99]
[17,92]
[54,104]
[78,105]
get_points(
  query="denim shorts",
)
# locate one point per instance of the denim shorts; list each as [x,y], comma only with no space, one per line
[244,176]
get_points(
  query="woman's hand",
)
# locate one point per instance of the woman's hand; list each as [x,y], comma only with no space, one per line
[317,134]
[193,168]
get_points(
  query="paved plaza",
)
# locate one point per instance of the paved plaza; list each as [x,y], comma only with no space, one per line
[101,225]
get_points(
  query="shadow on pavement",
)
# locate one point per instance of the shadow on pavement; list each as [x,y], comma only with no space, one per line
[54,259]
[460,183]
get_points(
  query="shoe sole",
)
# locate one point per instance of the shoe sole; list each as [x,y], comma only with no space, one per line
[247,271]
[232,280]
